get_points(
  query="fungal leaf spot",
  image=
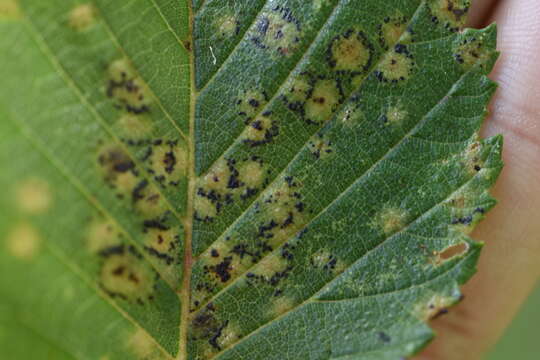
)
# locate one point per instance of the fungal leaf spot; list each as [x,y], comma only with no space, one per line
[9,9]
[144,346]
[472,159]
[249,103]
[323,101]
[391,220]
[133,127]
[320,148]
[350,52]
[227,26]
[278,31]
[251,173]
[391,30]
[326,261]
[261,131]
[395,114]
[127,88]
[168,162]
[452,14]
[396,65]
[34,196]
[284,210]
[23,241]
[434,307]
[125,275]
[471,50]
[102,234]
[281,305]
[82,17]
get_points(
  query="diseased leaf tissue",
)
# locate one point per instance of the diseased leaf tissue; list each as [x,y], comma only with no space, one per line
[228,179]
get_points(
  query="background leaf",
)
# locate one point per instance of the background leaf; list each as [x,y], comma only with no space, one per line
[226,179]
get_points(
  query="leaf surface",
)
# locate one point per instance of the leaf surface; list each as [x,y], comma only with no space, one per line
[238,179]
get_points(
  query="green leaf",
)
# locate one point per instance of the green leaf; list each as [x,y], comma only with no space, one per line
[238,179]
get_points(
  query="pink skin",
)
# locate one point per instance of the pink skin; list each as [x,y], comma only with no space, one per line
[510,264]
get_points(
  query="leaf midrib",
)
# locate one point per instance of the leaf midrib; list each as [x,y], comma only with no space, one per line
[188,223]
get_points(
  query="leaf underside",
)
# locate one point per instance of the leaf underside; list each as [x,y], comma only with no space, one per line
[228,179]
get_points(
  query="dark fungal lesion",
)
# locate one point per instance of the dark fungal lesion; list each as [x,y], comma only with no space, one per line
[127,89]
[126,276]
[280,215]
[157,226]
[278,31]
[451,14]
[350,53]
[162,238]
[249,103]
[391,30]
[314,98]
[396,66]
[472,50]
[206,327]
[230,180]
[261,131]
[320,147]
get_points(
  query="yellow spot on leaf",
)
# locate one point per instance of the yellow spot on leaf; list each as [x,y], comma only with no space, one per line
[134,127]
[391,220]
[229,335]
[258,130]
[323,259]
[125,275]
[227,25]
[169,161]
[82,17]
[251,173]
[471,51]
[281,305]
[320,148]
[278,31]
[350,52]
[23,242]
[217,177]
[205,208]
[392,30]
[34,196]
[250,103]
[128,89]
[270,265]
[395,66]
[9,9]
[473,162]
[451,13]
[162,241]
[323,102]
[144,347]
[396,114]
[298,89]
[434,307]
[102,235]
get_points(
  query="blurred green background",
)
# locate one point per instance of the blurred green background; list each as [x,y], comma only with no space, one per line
[522,339]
